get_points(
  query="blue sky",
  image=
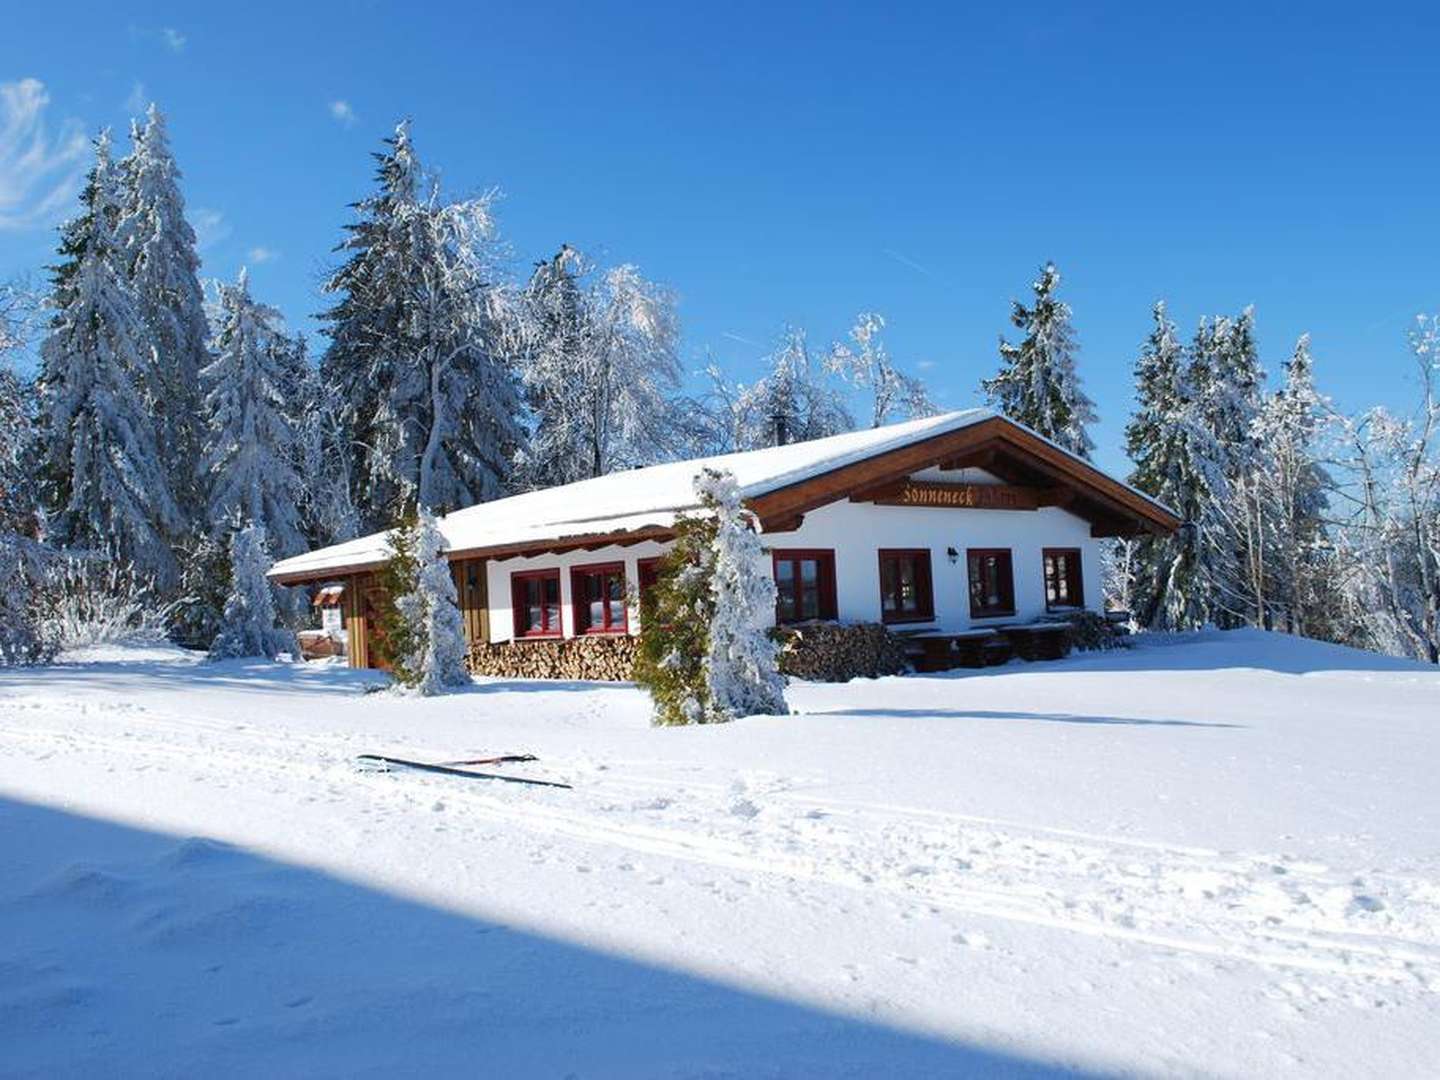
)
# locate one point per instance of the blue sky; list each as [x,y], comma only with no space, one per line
[805,162]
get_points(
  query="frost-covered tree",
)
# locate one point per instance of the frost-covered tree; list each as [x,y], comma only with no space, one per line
[248,627]
[793,401]
[19,496]
[741,673]
[704,654]
[1389,499]
[1037,384]
[1171,578]
[599,368]
[251,446]
[429,402]
[434,630]
[160,258]
[106,485]
[865,362]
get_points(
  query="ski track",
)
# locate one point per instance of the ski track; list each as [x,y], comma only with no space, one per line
[1270,910]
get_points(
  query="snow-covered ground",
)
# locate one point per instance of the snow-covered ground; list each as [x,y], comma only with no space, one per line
[1214,857]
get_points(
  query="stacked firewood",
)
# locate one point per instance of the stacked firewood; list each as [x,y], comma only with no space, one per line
[835,652]
[610,658]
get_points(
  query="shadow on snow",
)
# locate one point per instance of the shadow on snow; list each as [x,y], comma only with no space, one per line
[128,951]
[1047,717]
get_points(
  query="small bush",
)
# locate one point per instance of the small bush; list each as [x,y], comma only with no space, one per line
[90,600]
[1091,631]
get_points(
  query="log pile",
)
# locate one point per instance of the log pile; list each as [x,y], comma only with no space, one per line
[835,652]
[609,658]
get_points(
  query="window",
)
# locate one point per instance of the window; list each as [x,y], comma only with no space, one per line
[535,600]
[1063,585]
[992,582]
[804,585]
[906,594]
[598,593]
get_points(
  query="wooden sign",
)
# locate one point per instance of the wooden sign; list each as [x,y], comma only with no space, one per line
[959,496]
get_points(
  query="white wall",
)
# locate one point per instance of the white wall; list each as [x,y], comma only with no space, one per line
[856,532]
[502,621]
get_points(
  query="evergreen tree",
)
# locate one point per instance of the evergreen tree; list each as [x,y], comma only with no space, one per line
[106,486]
[1171,577]
[429,404]
[248,626]
[159,251]
[251,445]
[434,630]
[553,330]
[1296,496]
[1037,384]
[704,653]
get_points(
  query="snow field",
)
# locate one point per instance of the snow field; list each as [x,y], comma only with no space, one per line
[953,876]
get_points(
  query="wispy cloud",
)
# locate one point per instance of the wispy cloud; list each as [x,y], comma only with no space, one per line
[39,173]
[905,260]
[258,255]
[210,227]
[738,338]
[173,38]
[925,365]
[136,100]
[342,113]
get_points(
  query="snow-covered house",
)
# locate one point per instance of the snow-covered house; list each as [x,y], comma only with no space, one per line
[955,521]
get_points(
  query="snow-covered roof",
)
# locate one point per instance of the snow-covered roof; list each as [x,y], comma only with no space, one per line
[634,500]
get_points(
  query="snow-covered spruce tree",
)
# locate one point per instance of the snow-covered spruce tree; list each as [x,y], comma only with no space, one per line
[428,400]
[599,368]
[105,484]
[248,625]
[705,656]
[159,250]
[250,444]
[1171,578]
[1037,384]
[865,363]
[24,637]
[19,495]
[434,631]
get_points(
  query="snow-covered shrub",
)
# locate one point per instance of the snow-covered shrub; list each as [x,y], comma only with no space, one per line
[431,654]
[705,656]
[89,600]
[25,638]
[248,623]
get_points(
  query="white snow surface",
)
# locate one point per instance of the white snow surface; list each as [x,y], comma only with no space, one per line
[637,498]
[1218,856]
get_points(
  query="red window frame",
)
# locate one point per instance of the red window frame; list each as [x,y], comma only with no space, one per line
[1072,578]
[520,603]
[924,586]
[975,565]
[824,559]
[580,578]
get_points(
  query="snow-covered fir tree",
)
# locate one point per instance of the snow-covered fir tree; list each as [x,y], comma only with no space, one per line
[248,626]
[106,487]
[435,631]
[428,401]
[159,251]
[741,672]
[19,495]
[1171,578]
[600,370]
[1037,384]
[865,363]
[251,447]
[704,654]
[1294,487]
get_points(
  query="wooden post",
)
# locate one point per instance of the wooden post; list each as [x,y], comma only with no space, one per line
[357,647]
